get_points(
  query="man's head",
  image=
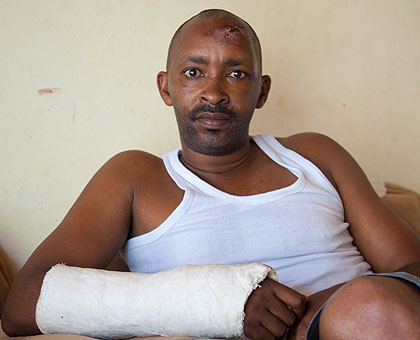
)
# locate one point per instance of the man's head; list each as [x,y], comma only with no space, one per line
[214,81]
[208,13]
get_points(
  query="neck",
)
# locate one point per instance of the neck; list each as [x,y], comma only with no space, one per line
[206,164]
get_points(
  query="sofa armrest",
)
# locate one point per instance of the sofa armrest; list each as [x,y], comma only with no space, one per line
[4,283]
[405,203]
[80,337]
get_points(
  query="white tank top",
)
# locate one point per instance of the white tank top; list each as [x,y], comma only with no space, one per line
[298,230]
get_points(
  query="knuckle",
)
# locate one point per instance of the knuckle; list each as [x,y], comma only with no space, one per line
[300,301]
[250,330]
[290,319]
[282,330]
[300,306]
[253,300]
[255,307]
[251,321]
[257,333]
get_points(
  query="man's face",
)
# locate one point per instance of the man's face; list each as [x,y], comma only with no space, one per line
[214,84]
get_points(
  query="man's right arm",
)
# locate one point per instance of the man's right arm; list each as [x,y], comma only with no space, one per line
[90,235]
[93,232]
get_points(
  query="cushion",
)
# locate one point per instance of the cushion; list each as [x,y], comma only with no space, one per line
[4,282]
[405,203]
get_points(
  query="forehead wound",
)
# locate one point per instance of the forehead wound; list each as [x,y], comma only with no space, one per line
[232,34]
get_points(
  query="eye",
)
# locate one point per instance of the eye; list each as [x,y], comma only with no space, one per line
[237,74]
[193,73]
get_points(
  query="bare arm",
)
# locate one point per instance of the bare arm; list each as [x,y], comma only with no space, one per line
[387,243]
[90,235]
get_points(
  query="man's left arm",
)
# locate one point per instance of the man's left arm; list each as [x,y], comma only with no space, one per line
[386,242]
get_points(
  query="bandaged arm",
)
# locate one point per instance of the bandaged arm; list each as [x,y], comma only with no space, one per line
[200,301]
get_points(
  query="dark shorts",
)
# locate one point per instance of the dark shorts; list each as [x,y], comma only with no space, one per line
[313,330]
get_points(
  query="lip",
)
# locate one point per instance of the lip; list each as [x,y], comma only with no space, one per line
[210,120]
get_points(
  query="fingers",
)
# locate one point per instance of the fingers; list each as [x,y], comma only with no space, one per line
[284,296]
[281,311]
[271,310]
[294,300]
[270,328]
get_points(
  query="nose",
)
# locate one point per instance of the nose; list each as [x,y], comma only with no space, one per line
[214,92]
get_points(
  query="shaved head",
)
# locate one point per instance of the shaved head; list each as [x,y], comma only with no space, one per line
[231,32]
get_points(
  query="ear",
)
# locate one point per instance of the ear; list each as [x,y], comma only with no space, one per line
[162,83]
[265,89]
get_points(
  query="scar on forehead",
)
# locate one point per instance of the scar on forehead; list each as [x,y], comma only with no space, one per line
[227,33]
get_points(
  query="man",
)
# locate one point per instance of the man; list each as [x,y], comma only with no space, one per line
[215,201]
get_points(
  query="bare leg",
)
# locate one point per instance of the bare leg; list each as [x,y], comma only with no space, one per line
[372,307]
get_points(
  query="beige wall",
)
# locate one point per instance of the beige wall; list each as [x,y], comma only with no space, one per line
[349,69]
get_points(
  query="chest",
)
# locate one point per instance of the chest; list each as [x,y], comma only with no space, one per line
[205,229]
[153,206]
[260,175]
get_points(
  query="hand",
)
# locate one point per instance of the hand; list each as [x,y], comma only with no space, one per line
[314,303]
[271,310]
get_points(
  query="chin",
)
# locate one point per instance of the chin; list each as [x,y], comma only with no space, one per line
[213,144]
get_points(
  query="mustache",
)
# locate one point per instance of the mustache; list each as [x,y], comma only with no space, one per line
[217,108]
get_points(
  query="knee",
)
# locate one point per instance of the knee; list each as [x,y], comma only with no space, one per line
[372,307]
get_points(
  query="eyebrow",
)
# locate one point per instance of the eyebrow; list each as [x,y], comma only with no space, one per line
[233,62]
[200,60]
[197,60]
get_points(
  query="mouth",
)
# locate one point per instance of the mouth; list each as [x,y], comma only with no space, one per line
[212,121]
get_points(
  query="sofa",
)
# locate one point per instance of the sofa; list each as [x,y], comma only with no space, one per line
[402,201]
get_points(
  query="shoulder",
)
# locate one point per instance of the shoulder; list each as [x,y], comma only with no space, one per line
[131,168]
[308,143]
[320,149]
[384,240]
[134,160]
[333,160]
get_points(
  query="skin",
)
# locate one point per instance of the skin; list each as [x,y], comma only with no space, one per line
[199,82]
[123,199]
